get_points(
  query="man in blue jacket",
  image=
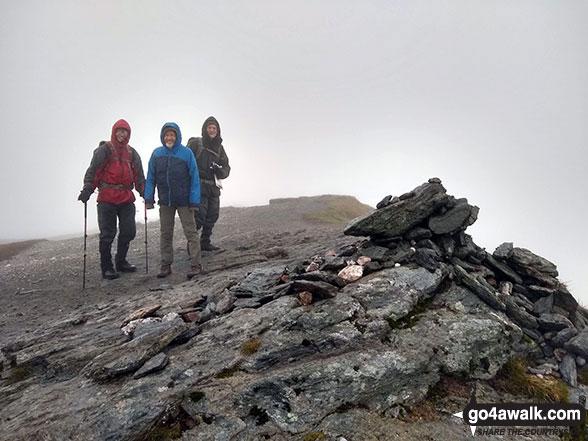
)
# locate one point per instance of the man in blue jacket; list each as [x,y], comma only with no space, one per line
[173,169]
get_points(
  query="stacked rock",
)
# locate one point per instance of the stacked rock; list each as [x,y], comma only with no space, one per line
[427,227]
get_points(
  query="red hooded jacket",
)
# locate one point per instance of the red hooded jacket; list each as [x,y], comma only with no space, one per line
[115,169]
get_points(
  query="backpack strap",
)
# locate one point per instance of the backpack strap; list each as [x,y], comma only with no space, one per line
[213,153]
[114,156]
[196,145]
[108,161]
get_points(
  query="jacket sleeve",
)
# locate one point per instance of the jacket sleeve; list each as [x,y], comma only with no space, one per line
[223,173]
[99,159]
[150,182]
[194,181]
[139,175]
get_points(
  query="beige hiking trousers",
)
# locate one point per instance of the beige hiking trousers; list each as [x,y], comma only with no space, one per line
[167,221]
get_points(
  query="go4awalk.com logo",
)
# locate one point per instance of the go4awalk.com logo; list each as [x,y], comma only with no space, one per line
[498,415]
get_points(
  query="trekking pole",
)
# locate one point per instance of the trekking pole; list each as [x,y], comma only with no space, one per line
[85,236]
[146,255]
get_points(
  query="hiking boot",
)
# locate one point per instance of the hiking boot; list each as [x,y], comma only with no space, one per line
[109,274]
[195,271]
[165,271]
[208,247]
[125,267]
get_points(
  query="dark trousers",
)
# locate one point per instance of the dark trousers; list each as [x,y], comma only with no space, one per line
[209,211]
[107,215]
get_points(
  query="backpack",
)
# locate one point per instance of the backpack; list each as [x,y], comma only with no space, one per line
[195,144]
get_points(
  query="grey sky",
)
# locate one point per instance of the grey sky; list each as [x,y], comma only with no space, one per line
[365,98]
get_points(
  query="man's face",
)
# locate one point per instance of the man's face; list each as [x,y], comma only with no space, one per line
[121,135]
[169,138]
[211,130]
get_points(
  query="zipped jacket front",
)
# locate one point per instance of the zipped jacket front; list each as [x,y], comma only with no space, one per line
[174,173]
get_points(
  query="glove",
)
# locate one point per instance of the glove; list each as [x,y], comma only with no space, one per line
[142,194]
[194,208]
[85,195]
[149,205]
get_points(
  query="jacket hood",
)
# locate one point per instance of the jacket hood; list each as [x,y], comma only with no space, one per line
[120,124]
[175,127]
[217,140]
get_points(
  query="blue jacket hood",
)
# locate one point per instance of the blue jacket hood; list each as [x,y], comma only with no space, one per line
[174,126]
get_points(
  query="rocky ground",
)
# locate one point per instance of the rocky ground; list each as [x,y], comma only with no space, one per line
[274,342]
[44,281]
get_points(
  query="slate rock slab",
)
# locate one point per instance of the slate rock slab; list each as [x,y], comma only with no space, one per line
[392,293]
[553,322]
[526,261]
[453,220]
[479,288]
[130,356]
[398,218]
[504,251]
[567,369]
[579,344]
[503,269]
[154,364]
[563,336]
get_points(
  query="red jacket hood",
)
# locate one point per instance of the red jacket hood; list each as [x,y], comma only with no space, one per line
[120,124]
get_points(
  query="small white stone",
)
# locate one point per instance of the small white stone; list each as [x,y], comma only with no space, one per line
[292,417]
[312,267]
[351,273]
[170,316]
[459,307]
[396,265]
[188,372]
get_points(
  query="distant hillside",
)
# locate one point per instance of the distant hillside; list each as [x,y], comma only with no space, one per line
[326,208]
[338,209]
[292,213]
[9,250]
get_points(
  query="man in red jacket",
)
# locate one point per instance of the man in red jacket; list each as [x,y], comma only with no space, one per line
[115,168]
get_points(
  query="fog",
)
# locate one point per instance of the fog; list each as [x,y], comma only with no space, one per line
[344,97]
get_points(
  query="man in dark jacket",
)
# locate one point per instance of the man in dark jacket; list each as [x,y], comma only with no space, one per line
[173,170]
[115,168]
[213,164]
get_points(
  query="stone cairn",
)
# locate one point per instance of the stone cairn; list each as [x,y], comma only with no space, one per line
[427,227]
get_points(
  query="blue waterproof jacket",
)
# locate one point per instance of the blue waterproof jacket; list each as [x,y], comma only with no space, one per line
[174,172]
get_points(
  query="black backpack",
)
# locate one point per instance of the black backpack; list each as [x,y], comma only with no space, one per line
[195,144]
